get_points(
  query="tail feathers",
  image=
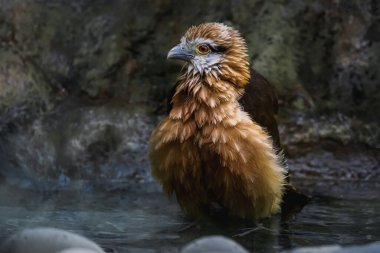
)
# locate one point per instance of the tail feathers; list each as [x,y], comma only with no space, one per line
[293,201]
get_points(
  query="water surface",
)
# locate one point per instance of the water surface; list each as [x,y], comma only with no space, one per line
[138,218]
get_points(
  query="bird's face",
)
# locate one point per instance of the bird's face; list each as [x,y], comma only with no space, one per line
[201,53]
[213,48]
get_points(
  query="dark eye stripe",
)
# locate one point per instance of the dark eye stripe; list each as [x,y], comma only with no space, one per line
[217,49]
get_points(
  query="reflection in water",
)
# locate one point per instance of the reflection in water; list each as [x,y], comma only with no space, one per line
[139,218]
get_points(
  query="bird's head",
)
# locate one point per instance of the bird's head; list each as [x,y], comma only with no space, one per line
[214,49]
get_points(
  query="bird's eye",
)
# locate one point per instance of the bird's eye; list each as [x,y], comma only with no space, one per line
[202,49]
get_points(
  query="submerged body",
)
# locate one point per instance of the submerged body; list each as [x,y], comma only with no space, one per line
[208,150]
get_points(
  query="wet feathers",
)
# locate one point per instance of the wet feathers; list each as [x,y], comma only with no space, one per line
[208,149]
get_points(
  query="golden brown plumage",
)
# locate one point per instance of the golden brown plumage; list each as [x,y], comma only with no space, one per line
[208,149]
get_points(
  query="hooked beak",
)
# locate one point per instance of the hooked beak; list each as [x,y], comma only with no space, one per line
[179,53]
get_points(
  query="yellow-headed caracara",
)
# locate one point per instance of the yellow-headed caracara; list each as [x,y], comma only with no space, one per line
[210,149]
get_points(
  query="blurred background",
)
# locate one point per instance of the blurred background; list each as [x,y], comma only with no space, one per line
[83,83]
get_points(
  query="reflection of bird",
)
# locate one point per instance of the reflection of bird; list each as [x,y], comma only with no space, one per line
[209,150]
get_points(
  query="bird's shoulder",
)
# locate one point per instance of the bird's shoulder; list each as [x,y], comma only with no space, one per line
[259,94]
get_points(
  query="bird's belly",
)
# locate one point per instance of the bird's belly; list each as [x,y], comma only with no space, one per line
[235,166]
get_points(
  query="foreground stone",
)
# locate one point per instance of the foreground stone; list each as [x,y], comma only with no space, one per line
[48,240]
[212,244]
[367,248]
[77,250]
[51,240]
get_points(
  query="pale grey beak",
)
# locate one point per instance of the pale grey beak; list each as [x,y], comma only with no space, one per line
[180,53]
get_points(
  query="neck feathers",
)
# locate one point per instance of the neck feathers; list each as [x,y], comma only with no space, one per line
[206,99]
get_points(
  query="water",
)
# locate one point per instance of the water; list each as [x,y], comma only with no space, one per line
[139,218]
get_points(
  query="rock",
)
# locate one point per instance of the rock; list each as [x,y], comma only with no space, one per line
[368,248]
[320,55]
[213,244]
[306,128]
[312,44]
[89,142]
[23,89]
[77,250]
[48,240]
[326,49]
[322,249]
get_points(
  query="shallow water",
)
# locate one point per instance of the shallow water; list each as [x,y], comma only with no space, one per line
[139,218]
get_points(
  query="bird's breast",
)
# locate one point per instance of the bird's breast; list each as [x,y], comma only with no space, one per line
[211,121]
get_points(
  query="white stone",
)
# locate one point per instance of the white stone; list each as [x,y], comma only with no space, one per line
[213,244]
[48,240]
[77,250]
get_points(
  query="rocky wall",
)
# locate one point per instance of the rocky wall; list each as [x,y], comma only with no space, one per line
[80,63]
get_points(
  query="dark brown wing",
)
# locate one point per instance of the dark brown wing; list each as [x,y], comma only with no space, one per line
[261,103]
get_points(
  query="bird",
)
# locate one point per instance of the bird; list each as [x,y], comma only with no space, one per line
[219,144]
